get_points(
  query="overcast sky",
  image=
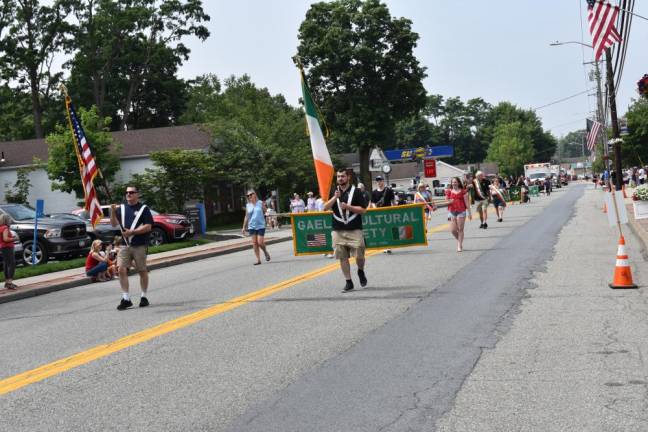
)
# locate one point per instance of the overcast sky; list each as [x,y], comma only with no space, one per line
[498,50]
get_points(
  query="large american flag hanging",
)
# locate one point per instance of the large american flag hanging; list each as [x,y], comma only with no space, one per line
[593,131]
[602,16]
[87,165]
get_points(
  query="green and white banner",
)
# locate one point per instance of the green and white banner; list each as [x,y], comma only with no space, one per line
[386,227]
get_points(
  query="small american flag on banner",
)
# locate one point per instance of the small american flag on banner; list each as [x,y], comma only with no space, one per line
[87,165]
[593,131]
[602,16]
[316,240]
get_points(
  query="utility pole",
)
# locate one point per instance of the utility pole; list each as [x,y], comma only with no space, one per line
[602,119]
[615,121]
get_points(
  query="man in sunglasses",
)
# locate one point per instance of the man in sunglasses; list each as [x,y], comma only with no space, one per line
[135,221]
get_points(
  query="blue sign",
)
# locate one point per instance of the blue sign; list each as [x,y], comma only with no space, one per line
[410,154]
[40,210]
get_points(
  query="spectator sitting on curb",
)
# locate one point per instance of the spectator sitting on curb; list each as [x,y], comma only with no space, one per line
[97,264]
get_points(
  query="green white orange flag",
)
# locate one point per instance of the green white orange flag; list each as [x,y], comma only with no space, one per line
[321,157]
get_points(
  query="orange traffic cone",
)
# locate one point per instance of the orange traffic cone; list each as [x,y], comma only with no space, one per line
[622,272]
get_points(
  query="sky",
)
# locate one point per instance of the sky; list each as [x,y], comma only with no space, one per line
[497,50]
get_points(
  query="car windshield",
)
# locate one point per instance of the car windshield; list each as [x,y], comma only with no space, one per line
[539,175]
[20,212]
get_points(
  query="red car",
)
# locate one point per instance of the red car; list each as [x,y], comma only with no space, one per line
[166,227]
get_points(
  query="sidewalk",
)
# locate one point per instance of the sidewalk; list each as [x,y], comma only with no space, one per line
[43,284]
[571,356]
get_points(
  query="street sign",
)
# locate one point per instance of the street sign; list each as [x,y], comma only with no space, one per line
[429,166]
[411,154]
[385,227]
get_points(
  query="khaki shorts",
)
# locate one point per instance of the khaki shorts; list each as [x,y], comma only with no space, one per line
[482,204]
[348,244]
[132,253]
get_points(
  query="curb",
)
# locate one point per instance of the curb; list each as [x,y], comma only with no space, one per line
[74,281]
[638,231]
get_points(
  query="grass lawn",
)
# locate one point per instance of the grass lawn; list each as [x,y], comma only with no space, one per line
[54,266]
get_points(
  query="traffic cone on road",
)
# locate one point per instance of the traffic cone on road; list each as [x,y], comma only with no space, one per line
[622,272]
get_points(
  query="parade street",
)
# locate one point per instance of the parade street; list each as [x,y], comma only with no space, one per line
[519,332]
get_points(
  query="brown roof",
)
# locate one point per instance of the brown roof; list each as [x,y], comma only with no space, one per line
[134,143]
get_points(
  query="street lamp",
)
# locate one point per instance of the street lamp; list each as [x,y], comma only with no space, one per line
[557,43]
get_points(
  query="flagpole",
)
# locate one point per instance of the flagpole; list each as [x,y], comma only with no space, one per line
[104,183]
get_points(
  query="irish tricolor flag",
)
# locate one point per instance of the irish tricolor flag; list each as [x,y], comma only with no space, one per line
[323,164]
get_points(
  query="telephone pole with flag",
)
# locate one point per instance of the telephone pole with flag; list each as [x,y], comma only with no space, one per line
[323,164]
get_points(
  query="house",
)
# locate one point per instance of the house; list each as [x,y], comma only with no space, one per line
[136,146]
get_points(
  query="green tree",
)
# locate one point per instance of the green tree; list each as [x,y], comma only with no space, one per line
[571,145]
[635,145]
[544,144]
[20,191]
[511,148]
[134,48]
[35,34]
[177,177]
[362,71]
[259,140]
[62,165]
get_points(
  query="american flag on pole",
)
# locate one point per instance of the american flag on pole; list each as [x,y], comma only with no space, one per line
[602,17]
[87,165]
[593,131]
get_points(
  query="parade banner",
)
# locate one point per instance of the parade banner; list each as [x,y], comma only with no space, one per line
[514,194]
[386,227]
[534,191]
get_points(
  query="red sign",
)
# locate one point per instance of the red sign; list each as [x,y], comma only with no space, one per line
[430,167]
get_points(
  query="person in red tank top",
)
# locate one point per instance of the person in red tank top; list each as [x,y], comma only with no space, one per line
[96,264]
[458,207]
[7,247]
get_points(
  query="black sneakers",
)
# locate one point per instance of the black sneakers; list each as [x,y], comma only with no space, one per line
[144,302]
[362,277]
[348,287]
[124,304]
[485,225]
[481,225]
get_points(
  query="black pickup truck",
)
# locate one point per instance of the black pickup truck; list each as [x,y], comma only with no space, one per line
[56,238]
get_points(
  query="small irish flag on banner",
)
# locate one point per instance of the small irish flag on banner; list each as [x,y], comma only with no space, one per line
[323,164]
[403,232]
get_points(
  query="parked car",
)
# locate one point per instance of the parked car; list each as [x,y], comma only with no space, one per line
[166,227]
[18,248]
[55,238]
[104,232]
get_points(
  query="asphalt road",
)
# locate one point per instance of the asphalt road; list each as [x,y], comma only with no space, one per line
[391,356]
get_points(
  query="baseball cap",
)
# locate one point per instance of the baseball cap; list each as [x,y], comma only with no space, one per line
[378,178]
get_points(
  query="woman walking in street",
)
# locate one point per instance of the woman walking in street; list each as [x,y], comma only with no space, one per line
[7,246]
[254,223]
[499,202]
[459,205]
[422,196]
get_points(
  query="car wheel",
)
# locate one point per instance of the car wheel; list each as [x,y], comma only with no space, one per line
[40,253]
[157,237]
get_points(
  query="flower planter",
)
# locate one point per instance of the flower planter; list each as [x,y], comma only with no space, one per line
[640,209]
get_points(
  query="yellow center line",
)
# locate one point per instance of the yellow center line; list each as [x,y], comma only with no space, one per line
[57,367]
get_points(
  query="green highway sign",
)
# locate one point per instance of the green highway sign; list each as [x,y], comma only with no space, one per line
[386,227]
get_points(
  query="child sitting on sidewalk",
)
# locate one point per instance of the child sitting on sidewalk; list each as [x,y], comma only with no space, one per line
[96,263]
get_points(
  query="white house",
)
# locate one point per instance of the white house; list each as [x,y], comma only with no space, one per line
[136,145]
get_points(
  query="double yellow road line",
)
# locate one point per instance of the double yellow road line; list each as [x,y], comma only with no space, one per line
[32,376]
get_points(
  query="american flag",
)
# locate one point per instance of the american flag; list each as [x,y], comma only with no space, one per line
[593,131]
[87,165]
[602,16]
[315,240]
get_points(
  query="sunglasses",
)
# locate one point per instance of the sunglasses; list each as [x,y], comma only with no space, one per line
[131,192]
[249,195]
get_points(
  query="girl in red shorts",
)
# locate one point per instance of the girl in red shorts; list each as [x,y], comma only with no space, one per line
[459,206]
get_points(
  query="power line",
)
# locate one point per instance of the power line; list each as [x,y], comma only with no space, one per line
[561,100]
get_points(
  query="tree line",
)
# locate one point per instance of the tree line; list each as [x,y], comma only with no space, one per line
[121,60]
